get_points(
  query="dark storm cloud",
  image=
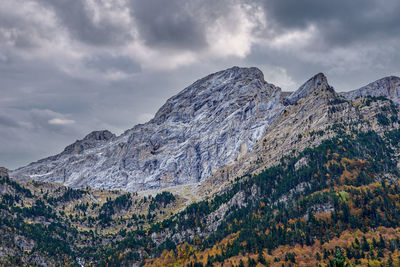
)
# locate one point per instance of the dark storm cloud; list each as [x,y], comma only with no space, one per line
[178,24]
[355,42]
[172,25]
[339,22]
[78,20]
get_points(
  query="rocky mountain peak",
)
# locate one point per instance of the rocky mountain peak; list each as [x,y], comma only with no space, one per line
[210,93]
[89,141]
[102,135]
[388,87]
[317,82]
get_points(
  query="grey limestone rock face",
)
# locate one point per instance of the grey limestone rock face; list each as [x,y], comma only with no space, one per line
[388,87]
[89,141]
[307,88]
[210,124]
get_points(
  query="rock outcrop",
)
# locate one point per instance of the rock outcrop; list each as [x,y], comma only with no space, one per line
[388,87]
[89,141]
[3,172]
[307,88]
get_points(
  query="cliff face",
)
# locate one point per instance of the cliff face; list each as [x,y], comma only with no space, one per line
[210,124]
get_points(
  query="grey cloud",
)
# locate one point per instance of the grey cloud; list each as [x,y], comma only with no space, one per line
[75,17]
[339,22]
[21,32]
[26,135]
[38,119]
[8,122]
[39,85]
[106,62]
[170,25]
[179,24]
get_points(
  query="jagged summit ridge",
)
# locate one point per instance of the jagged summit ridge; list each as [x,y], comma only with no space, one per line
[209,124]
[317,81]
[89,141]
[208,92]
[103,135]
[388,87]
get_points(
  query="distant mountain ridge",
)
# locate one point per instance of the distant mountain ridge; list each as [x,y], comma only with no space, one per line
[209,125]
[388,87]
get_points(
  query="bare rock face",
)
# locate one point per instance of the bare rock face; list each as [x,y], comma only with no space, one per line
[210,124]
[388,87]
[307,88]
[90,141]
[3,172]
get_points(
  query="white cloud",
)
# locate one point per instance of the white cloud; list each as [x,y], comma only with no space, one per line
[58,121]
[294,39]
[278,76]
[232,35]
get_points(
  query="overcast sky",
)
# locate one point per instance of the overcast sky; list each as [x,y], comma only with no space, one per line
[68,67]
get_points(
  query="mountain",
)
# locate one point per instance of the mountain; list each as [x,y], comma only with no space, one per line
[320,186]
[388,87]
[208,127]
[307,88]
[308,112]
[210,124]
